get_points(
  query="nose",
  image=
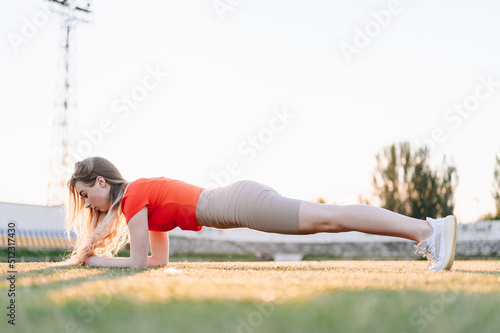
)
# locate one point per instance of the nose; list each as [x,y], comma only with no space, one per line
[87,203]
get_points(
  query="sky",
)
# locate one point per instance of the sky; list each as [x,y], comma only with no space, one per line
[299,95]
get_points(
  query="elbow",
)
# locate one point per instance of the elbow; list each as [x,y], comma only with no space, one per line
[162,262]
[154,262]
[139,264]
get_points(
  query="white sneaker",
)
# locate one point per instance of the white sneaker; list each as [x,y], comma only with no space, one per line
[439,248]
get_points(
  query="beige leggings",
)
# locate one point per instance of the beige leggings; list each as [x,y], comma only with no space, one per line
[248,204]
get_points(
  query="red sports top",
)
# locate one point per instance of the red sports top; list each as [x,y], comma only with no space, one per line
[171,203]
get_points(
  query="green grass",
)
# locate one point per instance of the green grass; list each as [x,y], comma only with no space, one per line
[29,255]
[34,255]
[330,296]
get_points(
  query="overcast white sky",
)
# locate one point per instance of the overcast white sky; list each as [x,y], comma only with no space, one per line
[345,79]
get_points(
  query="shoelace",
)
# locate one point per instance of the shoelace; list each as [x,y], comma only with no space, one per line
[426,253]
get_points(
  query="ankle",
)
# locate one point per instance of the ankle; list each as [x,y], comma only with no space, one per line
[425,231]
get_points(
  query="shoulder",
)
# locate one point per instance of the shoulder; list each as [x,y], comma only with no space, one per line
[135,197]
[134,189]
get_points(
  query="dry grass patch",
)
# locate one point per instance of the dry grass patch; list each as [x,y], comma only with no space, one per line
[259,281]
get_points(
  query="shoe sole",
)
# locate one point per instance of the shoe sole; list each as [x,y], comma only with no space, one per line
[451,235]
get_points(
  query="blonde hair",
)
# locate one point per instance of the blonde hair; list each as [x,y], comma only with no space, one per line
[97,233]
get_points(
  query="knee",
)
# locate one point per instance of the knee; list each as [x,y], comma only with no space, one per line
[314,218]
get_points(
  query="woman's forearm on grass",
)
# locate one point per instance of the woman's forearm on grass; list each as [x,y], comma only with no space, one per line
[104,261]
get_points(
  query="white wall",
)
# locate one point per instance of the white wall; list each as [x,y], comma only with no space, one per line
[31,216]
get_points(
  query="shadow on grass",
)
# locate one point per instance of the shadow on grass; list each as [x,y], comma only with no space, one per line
[373,311]
[107,273]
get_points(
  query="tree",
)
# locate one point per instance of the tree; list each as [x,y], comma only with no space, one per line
[391,177]
[405,183]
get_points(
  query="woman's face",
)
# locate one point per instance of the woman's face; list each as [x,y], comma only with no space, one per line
[97,196]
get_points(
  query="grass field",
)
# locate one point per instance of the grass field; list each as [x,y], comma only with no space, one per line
[248,297]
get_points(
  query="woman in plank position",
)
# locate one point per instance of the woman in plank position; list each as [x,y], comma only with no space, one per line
[105,211]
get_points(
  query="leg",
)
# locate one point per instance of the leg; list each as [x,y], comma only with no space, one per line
[315,217]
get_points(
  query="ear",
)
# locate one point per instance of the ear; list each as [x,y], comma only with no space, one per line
[101,181]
